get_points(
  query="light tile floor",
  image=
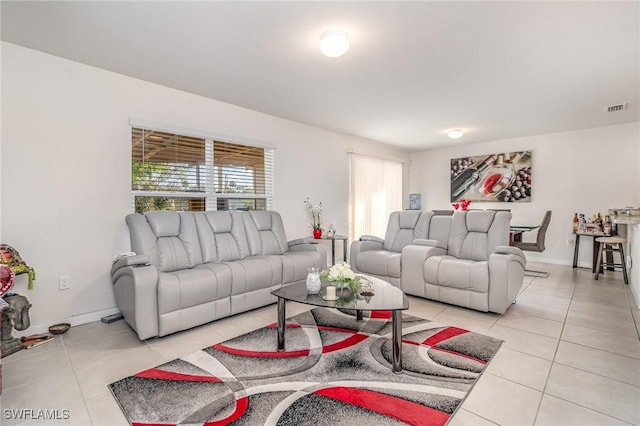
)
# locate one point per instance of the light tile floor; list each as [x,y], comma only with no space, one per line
[571,357]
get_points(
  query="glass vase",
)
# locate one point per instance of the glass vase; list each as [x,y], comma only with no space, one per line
[313,281]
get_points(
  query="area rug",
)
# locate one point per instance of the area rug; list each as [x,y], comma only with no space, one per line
[335,371]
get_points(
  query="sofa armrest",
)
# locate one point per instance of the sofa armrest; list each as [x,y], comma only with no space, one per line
[360,246]
[135,260]
[310,246]
[514,251]
[429,243]
[414,256]
[371,238]
[506,276]
[305,240]
[136,292]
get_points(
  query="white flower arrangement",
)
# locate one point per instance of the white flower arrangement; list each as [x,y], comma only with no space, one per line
[341,275]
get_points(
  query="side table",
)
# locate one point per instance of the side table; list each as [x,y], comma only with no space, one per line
[333,239]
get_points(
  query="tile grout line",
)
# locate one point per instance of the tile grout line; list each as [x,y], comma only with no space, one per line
[555,353]
[77,380]
[553,363]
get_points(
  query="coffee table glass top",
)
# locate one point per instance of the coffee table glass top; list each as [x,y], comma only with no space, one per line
[385,297]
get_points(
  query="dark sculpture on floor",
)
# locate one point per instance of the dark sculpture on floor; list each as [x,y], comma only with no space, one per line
[16,315]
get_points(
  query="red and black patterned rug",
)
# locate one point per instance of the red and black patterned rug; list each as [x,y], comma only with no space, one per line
[335,371]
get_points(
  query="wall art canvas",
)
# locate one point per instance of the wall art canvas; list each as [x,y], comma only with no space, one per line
[502,177]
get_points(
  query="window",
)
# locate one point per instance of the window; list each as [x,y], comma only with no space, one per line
[376,191]
[177,172]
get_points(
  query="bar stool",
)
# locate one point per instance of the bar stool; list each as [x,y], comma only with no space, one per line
[611,244]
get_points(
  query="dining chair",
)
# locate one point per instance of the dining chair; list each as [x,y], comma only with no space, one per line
[538,245]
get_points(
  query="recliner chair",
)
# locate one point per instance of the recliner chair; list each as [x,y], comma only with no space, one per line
[379,257]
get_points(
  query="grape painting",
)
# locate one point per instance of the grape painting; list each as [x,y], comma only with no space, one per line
[503,177]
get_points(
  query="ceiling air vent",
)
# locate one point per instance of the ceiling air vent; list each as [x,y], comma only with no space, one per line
[616,108]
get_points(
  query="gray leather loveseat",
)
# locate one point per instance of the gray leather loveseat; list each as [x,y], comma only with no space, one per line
[464,259]
[191,268]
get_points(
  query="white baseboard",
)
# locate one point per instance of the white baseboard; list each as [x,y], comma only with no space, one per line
[581,263]
[75,320]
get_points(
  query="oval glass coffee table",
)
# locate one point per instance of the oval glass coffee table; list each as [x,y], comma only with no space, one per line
[386,297]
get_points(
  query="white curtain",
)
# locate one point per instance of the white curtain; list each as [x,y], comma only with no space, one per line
[376,191]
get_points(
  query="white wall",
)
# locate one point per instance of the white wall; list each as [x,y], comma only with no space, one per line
[66,160]
[633,249]
[585,171]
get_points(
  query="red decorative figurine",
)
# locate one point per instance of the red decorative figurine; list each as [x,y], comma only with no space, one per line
[463,204]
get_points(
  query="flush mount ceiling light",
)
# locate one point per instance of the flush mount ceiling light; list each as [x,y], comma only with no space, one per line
[334,43]
[455,134]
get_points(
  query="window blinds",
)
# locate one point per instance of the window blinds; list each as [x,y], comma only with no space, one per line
[177,172]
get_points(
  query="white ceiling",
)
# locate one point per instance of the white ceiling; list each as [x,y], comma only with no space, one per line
[415,69]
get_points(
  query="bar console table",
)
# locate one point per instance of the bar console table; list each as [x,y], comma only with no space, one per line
[594,259]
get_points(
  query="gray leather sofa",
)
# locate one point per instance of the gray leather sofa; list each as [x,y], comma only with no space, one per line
[473,266]
[191,268]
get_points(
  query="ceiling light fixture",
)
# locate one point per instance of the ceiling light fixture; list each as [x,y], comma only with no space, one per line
[334,43]
[455,134]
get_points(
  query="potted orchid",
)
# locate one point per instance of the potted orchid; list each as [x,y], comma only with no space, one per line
[315,217]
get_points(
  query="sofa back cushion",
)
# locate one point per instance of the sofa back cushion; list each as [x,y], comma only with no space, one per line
[222,236]
[168,238]
[404,227]
[476,234]
[439,228]
[265,232]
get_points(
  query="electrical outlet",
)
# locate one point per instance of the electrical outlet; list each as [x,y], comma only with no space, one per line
[629,262]
[570,241]
[64,282]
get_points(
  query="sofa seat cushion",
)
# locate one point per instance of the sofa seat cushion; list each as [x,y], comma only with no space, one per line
[191,287]
[449,271]
[295,264]
[379,262]
[254,273]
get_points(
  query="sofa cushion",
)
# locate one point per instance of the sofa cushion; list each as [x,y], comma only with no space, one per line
[163,223]
[439,228]
[222,236]
[404,227]
[476,234]
[190,287]
[296,263]
[449,271]
[168,238]
[479,221]
[254,273]
[265,233]
[379,262]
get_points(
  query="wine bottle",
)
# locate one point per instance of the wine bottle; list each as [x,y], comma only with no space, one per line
[466,179]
